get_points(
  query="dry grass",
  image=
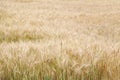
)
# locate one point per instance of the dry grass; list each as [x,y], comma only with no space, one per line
[59,40]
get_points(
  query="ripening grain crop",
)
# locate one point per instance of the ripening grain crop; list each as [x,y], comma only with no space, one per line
[59,40]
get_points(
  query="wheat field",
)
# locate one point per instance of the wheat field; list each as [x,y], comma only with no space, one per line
[59,40]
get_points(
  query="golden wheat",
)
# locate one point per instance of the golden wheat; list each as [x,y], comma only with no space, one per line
[59,40]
